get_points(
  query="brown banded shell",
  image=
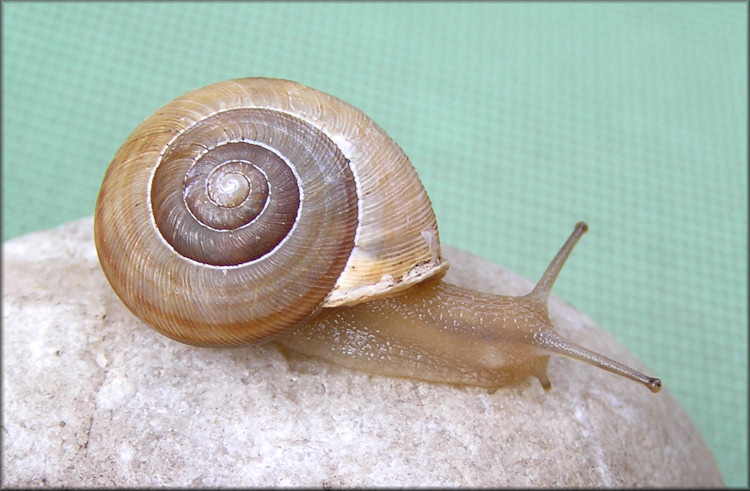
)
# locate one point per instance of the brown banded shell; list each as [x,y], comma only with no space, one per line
[240,209]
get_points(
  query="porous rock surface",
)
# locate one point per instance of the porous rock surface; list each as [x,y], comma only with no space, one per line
[93,397]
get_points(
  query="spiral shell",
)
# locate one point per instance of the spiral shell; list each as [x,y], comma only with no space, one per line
[241,209]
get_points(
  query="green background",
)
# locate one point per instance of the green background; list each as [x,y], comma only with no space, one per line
[521,119]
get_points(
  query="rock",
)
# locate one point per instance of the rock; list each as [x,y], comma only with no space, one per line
[93,397]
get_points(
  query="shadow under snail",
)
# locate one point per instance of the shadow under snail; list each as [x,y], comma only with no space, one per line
[260,209]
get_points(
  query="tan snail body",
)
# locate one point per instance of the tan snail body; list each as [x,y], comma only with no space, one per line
[259,209]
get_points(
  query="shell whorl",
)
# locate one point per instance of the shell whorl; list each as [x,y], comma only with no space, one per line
[242,208]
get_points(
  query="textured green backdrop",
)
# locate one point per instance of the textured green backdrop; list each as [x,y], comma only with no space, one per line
[520,118]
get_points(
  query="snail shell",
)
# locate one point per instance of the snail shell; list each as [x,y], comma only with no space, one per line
[242,208]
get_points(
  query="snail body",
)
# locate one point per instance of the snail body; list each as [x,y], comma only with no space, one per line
[258,209]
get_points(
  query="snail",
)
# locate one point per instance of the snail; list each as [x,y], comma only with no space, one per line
[259,209]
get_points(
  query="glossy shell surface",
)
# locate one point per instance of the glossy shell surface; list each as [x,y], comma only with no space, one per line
[240,209]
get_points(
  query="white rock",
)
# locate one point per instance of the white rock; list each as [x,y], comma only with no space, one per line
[93,397]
